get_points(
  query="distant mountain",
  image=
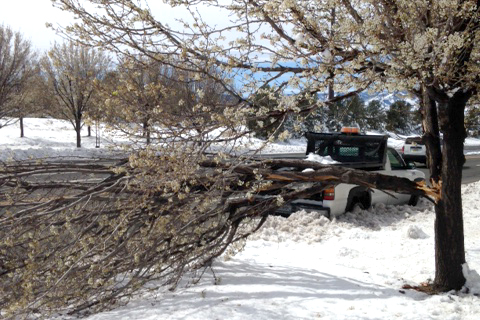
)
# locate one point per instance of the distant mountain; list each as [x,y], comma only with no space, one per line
[386,99]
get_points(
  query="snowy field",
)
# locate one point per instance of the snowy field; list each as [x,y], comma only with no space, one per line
[53,138]
[304,267]
[307,267]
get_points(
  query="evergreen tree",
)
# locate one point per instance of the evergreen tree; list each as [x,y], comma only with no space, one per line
[313,120]
[375,116]
[399,117]
[264,102]
[472,120]
[348,112]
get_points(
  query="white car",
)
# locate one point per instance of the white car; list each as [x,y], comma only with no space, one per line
[414,150]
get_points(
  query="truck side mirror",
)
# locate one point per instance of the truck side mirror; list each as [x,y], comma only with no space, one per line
[411,165]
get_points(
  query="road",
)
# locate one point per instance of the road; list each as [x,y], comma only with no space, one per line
[471,169]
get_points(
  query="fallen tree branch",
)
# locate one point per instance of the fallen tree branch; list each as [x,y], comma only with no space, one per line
[70,246]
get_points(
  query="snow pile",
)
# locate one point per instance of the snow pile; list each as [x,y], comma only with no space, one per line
[415,232]
[322,160]
[317,158]
[473,280]
[299,227]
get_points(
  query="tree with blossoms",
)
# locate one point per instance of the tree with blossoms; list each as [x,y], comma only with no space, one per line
[199,192]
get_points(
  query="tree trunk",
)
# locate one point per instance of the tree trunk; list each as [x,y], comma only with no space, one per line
[89,129]
[21,128]
[431,137]
[449,234]
[97,134]
[146,131]
[78,128]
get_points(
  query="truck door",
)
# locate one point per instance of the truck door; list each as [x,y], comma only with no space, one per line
[399,169]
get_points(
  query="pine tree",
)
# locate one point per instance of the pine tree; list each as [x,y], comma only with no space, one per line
[264,102]
[348,112]
[472,120]
[399,117]
[375,116]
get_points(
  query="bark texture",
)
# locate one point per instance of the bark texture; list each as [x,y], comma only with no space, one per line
[78,129]
[431,138]
[449,232]
[22,132]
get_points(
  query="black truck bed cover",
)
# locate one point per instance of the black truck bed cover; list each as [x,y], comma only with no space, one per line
[352,150]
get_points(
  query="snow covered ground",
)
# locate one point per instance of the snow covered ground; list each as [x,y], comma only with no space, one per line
[51,138]
[303,267]
[308,267]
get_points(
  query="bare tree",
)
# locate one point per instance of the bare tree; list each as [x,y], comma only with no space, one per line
[71,69]
[31,97]
[134,92]
[159,97]
[17,66]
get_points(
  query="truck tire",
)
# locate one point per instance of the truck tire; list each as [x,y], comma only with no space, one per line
[356,204]
[414,199]
[358,197]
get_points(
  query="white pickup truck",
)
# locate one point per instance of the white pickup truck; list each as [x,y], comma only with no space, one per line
[364,152]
